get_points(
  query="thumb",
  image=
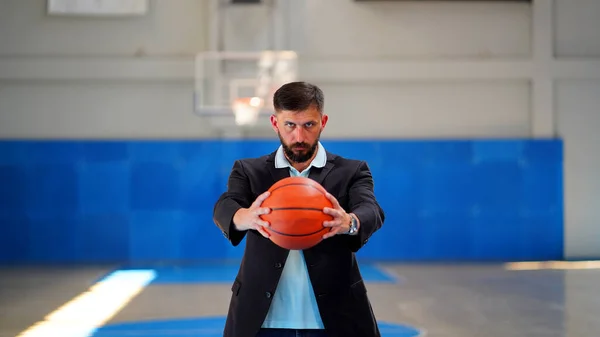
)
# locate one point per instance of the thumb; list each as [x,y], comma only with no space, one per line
[334,202]
[259,200]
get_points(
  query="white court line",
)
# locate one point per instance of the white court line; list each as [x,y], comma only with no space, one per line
[83,315]
[391,274]
[553,265]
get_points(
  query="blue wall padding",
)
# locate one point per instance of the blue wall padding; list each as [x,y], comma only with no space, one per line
[136,201]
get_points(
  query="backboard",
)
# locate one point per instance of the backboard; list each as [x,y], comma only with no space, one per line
[234,90]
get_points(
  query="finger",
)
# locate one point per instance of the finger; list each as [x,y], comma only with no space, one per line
[328,235]
[259,200]
[333,212]
[262,231]
[332,223]
[333,200]
[334,231]
[261,223]
[262,210]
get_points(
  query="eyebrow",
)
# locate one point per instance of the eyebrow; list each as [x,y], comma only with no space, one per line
[291,122]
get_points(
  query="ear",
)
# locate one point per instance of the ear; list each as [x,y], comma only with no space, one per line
[324,120]
[274,123]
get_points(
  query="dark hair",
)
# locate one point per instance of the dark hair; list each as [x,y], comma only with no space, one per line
[298,96]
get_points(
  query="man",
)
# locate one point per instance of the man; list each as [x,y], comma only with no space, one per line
[318,292]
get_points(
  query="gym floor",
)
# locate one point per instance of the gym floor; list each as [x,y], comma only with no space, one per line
[408,299]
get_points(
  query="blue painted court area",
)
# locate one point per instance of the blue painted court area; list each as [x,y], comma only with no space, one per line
[225,273]
[196,274]
[210,327]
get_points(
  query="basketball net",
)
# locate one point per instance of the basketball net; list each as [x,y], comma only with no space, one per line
[246,110]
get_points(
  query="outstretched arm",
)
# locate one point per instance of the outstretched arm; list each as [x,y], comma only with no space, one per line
[235,212]
[364,205]
[236,197]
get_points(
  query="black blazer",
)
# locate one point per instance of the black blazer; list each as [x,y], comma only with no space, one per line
[339,289]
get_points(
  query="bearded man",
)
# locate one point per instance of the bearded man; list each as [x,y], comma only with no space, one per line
[316,292]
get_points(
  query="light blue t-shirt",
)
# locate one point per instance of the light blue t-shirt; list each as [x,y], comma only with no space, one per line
[294,305]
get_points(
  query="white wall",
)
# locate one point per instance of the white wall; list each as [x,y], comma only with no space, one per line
[418,30]
[434,68]
[65,77]
[428,109]
[171,28]
[578,107]
[577,99]
[419,69]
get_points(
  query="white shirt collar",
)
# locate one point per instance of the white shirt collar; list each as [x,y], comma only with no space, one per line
[319,161]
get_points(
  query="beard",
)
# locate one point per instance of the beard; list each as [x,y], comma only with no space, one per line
[299,152]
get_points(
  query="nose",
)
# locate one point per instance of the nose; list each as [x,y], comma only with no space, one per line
[300,135]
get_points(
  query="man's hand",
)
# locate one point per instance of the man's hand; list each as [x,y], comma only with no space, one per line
[341,220]
[249,218]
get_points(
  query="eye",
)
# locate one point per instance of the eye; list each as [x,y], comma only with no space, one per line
[289,124]
[309,124]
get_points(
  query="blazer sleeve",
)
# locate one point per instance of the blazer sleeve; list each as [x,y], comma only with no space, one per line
[364,205]
[237,196]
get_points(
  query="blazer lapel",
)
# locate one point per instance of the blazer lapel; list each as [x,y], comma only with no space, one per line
[276,173]
[318,174]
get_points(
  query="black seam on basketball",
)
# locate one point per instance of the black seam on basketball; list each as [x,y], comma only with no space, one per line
[286,234]
[297,184]
[296,209]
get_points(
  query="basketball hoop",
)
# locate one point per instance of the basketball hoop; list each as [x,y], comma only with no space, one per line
[246,110]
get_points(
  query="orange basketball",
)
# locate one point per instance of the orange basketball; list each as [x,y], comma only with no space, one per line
[296,218]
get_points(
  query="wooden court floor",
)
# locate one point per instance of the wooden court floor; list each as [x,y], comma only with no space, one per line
[432,300]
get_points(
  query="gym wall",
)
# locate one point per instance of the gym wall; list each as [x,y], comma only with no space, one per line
[478,120]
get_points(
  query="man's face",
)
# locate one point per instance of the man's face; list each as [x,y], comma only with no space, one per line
[299,132]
